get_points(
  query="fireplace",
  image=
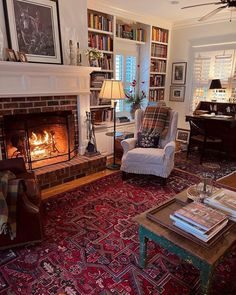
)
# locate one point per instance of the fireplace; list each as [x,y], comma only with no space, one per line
[42,139]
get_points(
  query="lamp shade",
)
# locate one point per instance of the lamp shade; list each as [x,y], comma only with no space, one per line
[112,89]
[215,84]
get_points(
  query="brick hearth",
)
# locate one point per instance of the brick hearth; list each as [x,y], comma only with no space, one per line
[64,172]
[29,105]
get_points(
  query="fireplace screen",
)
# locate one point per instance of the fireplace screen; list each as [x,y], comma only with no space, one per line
[41,139]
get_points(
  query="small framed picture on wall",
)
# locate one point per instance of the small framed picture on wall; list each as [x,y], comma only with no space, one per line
[177,93]
[182,135]
[179,73]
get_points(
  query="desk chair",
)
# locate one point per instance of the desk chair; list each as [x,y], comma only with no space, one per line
[202,136]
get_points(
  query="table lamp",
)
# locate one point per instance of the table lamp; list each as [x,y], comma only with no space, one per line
[215,84]
[114,90]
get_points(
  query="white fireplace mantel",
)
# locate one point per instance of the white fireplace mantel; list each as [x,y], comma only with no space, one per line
[31,79]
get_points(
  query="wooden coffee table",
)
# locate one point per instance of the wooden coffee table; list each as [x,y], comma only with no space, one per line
[205,259]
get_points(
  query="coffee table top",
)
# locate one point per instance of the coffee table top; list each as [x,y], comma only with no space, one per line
[210,255]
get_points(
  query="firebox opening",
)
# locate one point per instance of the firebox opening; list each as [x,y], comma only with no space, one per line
[41,139]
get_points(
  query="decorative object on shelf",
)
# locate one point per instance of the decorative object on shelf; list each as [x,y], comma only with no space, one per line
[72,53]
[179,73]
[134,98]
[114,90]
[177,93]
[78,56]
[11,55]
[94,55]
[33,28]
[91,149]
[22,57]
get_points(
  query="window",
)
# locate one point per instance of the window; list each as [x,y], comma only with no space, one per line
[214,65]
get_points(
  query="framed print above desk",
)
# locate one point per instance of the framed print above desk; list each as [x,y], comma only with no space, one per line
[179,73]
[177,93]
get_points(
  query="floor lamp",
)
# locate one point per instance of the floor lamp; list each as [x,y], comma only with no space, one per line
[114,90]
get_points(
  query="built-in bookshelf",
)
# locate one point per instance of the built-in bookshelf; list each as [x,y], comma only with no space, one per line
[132,31]
[158,63]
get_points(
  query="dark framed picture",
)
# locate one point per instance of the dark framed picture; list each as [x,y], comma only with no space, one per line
[179,73]
[183,135]
[33,28]
[11,55]
[177,93]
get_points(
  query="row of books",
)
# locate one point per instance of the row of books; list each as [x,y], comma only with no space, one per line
[199,220]
[158,66]
[100,42]
[158,50]
[136,34]
[159,35]
[106,63]
[98,78]
[156,94]
[99,22]
[102,115]
[157,80]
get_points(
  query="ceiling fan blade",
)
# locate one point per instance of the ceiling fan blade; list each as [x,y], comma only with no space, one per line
[215,3]
[215,11]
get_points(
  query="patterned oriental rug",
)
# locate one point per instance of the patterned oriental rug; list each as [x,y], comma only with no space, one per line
[212,166]
[91,245]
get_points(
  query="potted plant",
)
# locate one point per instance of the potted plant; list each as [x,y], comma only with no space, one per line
[94,55]
[134,98]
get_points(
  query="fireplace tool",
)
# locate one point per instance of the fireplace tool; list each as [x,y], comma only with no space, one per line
[91,149]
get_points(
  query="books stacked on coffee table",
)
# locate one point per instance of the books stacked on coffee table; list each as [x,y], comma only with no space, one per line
[199,220]
[224,200]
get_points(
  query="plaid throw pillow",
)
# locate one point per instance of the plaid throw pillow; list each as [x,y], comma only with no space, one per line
[156,120]
[146,140]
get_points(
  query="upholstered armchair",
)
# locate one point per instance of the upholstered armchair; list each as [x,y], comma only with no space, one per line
[153,161]
[28,217]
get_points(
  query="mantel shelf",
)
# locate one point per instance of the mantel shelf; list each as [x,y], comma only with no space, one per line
[31,79]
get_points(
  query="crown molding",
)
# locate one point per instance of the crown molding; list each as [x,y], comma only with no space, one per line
[123,13]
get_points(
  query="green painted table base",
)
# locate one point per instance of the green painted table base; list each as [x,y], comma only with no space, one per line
[205,269]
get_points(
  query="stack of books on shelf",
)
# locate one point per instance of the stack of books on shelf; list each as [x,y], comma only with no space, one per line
[99,22]
[128,32]
[156,94]
[157,80]
[199,220]
[158,50]
[106,62]
[224,200]
[97,79]
[100,42]
[159,35]
[158,66]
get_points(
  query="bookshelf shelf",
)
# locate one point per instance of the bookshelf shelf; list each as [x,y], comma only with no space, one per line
[157,73]
[155,57]
[100,31]
[158,42]
[130,41]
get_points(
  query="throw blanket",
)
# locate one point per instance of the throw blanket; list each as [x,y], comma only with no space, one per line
[156,120]
[9,189]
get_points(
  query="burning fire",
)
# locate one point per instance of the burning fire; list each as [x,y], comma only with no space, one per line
[41,144]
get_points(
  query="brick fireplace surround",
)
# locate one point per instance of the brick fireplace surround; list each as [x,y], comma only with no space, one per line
[71,81]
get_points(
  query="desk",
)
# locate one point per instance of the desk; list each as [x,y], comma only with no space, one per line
[205,259]
[225,128]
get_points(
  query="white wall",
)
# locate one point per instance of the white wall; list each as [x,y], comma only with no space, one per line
[182,50]
[73,19]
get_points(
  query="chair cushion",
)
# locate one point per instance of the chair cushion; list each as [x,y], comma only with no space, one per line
[146,156]
[146,140]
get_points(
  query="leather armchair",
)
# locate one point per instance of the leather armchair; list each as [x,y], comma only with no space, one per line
[153,161]
[28,221]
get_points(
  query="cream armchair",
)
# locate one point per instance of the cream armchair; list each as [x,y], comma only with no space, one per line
[154,161]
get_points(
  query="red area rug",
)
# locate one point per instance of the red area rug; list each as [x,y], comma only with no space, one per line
[91,245]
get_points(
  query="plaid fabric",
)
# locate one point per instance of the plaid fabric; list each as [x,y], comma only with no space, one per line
[9,189]
[156,120]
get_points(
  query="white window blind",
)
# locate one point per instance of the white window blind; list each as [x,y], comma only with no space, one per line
[213,65]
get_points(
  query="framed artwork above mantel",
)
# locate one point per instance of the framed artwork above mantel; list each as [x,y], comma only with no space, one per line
[33,28]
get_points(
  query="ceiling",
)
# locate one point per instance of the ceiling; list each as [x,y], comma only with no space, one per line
[170,12]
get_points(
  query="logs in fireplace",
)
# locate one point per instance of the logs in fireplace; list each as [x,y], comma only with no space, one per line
[41,139]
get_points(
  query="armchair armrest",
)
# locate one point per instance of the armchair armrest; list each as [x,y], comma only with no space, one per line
[128,144]
[169,148]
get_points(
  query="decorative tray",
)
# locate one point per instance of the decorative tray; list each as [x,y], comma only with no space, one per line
[161,216]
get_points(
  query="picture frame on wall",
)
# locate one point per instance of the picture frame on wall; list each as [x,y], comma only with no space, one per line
[179,73]
[182,135]
[33,28]
[177,93]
